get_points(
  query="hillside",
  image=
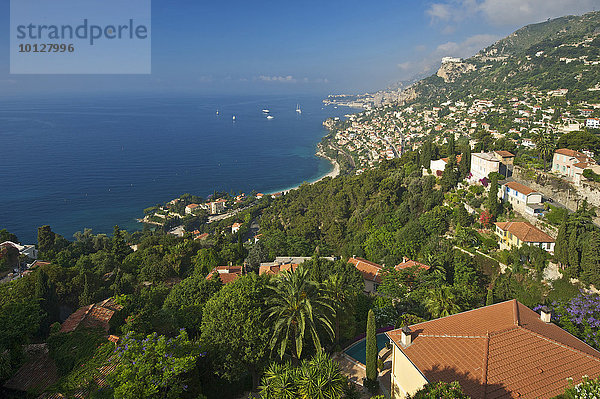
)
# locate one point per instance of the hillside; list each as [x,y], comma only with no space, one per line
[561,53]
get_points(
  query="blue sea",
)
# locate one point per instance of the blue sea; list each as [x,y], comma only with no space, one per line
[94,162]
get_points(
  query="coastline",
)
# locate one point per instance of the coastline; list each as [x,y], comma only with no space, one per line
[333,173]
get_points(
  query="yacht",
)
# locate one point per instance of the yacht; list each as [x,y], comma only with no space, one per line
[270,117]
[233,117]
[298,110]
[266,111]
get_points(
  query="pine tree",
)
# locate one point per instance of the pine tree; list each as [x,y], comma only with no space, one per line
[371,347]
[590,259]
[45,238]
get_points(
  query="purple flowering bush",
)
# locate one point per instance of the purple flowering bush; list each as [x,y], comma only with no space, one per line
[580,316]
[153,366]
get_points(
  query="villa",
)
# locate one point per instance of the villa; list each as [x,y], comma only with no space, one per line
[484,163]
[515,234]
[571,164]
[227,274]
[282,263]
[372,272]
[522,198]
[504,350]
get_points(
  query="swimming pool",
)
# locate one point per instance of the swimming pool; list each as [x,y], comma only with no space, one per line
[358,351]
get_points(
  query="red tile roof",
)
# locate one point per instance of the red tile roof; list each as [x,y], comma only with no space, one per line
[500,351]
[525,231]
[227,274]
[581,157]
[523,189]
[36,374]
[276,269]
[92,316]
[201,236]
[369,270]
[458,158]
[407,263]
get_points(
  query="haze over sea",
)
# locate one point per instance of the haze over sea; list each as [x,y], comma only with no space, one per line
[77,162]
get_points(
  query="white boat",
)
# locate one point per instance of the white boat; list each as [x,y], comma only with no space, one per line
[233,117]
[266,111]
[298,110]
[217,112]
[270,117]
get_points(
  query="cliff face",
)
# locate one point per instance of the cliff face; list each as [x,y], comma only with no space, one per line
[450,71]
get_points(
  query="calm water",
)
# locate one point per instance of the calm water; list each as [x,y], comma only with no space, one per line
[96,162]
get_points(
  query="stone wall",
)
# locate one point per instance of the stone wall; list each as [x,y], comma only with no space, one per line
[560,190]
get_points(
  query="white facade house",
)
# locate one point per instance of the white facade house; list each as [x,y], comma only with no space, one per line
[484,163]
[522,198]
[593,123]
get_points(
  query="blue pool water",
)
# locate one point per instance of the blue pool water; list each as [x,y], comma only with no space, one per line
[358,351]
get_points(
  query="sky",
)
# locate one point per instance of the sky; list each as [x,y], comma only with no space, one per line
[321,47]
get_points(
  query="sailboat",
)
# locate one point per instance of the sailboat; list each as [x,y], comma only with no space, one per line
[298,110]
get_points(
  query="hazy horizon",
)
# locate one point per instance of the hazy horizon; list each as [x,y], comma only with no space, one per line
[309,47]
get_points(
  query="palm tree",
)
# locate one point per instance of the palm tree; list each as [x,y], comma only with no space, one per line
[340,294]
[545,144]
[320,378]
[297,307]
[279,381]
[317,378]
[442,302]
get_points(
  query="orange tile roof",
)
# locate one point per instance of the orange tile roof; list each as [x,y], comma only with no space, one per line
[525,231]
[276,269]
[227,274]
[458,158]
[91,316]
[500,351]
[407,263]
[581,157]
[523,189]
[369,270]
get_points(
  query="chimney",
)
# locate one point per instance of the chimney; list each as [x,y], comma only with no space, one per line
[545,314]
[406,337]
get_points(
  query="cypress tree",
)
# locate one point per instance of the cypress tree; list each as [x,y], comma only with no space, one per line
[590,259]
[574,253]
[489,299]
[86,297]
[450,175]
[465,162]
[371,347]
[493,196]
[451,146]
[561,248]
